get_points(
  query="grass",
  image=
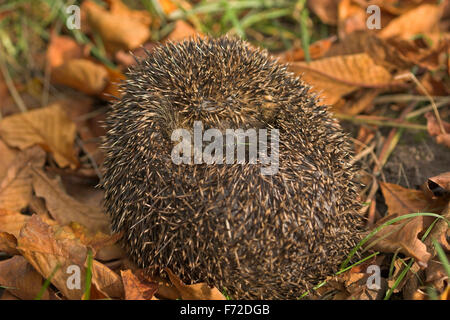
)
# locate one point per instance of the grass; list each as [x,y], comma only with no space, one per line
[345,267]
[47,283]
[88,283]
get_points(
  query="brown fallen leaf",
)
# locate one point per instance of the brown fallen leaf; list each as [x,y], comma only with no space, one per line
[83,75]
[117,30]
[316,50]
[402,201]
[62,49]
[15,187]
[198,291]
[6,159]
[48,127]
[392,53]
[182,31]
[51,251]
[326,10]
[117,7]
[21,279]
[423,19]
[434,129]
[12,221]
[54,249]
[337,76]
[169,6]
[137,289]
[436,275]
[8,244]
[403,235]
[107,281]
[442,180]
[64,208]
[351,18]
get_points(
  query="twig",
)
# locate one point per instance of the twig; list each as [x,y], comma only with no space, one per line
[417,82]
[91,158]
[9,83]
[407,98]
[423,110]
[384,123]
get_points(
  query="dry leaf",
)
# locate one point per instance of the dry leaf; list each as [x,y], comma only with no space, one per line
[442,180]
[182,31]
[107,281]
[403,235]
[12,222]
[48,127]
[392,53]
[118,31]
[64,208]
[83,75]
[117,7]
[351,17]
[434,129]
[50,248]
[15,187]
[62,49]
[316,51]
[326,10]
[137,289]
[198,291]
[423,19]
[338,76]
[8,244]
[21,279]
[6,159]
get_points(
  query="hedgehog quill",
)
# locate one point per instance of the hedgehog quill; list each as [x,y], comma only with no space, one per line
[254,236]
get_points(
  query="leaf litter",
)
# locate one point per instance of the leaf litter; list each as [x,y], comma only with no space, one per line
[51,219]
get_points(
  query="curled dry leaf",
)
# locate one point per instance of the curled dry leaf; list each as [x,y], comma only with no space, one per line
[21,279]
[50,248]
[83,75]
[338,76]
[118,30]
[69,65]
[47,251]
[66,209]
[48,127]
[137,289]
[8,244]
[403,235]
[442,180]
[15,187]
[62,49]
[434,129]
[436,275]
[198,291]
[106,281]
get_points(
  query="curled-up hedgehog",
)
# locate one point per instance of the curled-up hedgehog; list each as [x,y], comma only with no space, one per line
[253,235]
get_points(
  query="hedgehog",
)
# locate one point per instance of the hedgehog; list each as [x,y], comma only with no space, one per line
[251,235]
